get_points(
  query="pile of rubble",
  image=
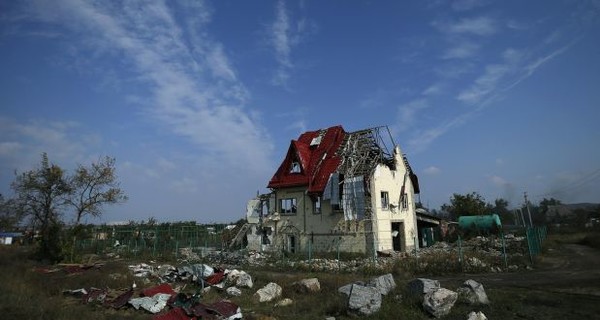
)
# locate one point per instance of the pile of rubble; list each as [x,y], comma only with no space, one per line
[169,292]
[479,254]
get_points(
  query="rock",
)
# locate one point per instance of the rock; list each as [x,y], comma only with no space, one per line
[476,316]
[269,292]
[365,300]
[244,280]
[284,302]
[422,286]
[233,291]
[308,285]
[472,292]
[439,302]
[348,288]
[239,278]
[384,283]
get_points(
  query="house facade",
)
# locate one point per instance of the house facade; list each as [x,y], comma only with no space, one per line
[338,191]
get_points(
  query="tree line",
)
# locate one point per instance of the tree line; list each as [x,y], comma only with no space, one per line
[43,195]
[474,204]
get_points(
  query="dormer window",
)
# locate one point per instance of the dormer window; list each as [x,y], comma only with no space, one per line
[295,168]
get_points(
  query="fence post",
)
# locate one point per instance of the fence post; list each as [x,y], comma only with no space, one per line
[338,255]
[504,251]
[416,255]
[529,245]
[460,253]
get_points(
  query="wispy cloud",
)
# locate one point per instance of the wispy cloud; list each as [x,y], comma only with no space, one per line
[408,112]
[462,50]
[285,34]
[432,170]
[194,88]
[21,143]
[480,26]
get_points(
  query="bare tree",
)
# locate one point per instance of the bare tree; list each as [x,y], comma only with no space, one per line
[93,187]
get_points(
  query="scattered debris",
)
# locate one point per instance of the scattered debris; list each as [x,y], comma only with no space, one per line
[153,304]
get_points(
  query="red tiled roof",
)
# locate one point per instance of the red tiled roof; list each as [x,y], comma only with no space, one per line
[317,162]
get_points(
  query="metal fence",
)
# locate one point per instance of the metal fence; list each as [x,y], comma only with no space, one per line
[154,241]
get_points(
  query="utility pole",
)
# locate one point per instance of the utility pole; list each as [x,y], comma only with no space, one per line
[528,212]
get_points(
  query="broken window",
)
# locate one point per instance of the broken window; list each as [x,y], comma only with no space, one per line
[404,201]
[385,200]
[295,167]
[288,206]
[317,205]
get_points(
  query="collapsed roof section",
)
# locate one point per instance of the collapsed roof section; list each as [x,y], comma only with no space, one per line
[312,158]
[315,154]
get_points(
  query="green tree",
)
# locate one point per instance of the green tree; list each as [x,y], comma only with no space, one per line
[94,186]
[470,204]
[41,193]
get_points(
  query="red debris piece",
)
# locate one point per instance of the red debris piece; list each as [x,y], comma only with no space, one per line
[215,278]
[163,288]
[174,314]
[224,308]
[121,300]
[95,294]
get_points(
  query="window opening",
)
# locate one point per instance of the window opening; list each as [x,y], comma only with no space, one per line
[288,206]
[385,200]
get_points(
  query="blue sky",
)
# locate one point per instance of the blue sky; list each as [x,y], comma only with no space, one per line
[198,100]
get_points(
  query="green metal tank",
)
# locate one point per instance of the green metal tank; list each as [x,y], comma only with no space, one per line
[483,223]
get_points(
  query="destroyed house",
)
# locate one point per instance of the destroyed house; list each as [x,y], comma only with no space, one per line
[337,190]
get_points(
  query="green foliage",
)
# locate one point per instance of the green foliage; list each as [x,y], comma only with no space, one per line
[41,194]
[466,205]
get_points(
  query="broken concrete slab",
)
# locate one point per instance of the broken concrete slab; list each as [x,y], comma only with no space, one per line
[439,302]
[385,283]
[472,292]
[422,286]
[364,300]
[268,293]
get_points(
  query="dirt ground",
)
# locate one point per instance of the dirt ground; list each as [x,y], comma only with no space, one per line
[564,284]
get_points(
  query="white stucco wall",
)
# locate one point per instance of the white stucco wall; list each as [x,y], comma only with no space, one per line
[385,179]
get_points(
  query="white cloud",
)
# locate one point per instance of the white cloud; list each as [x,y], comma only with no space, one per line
[434,89]
[407,113]
[480,26]
[461,50]
[285,34]
[498,181]
[8,148]
[432,170]
[195,89]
